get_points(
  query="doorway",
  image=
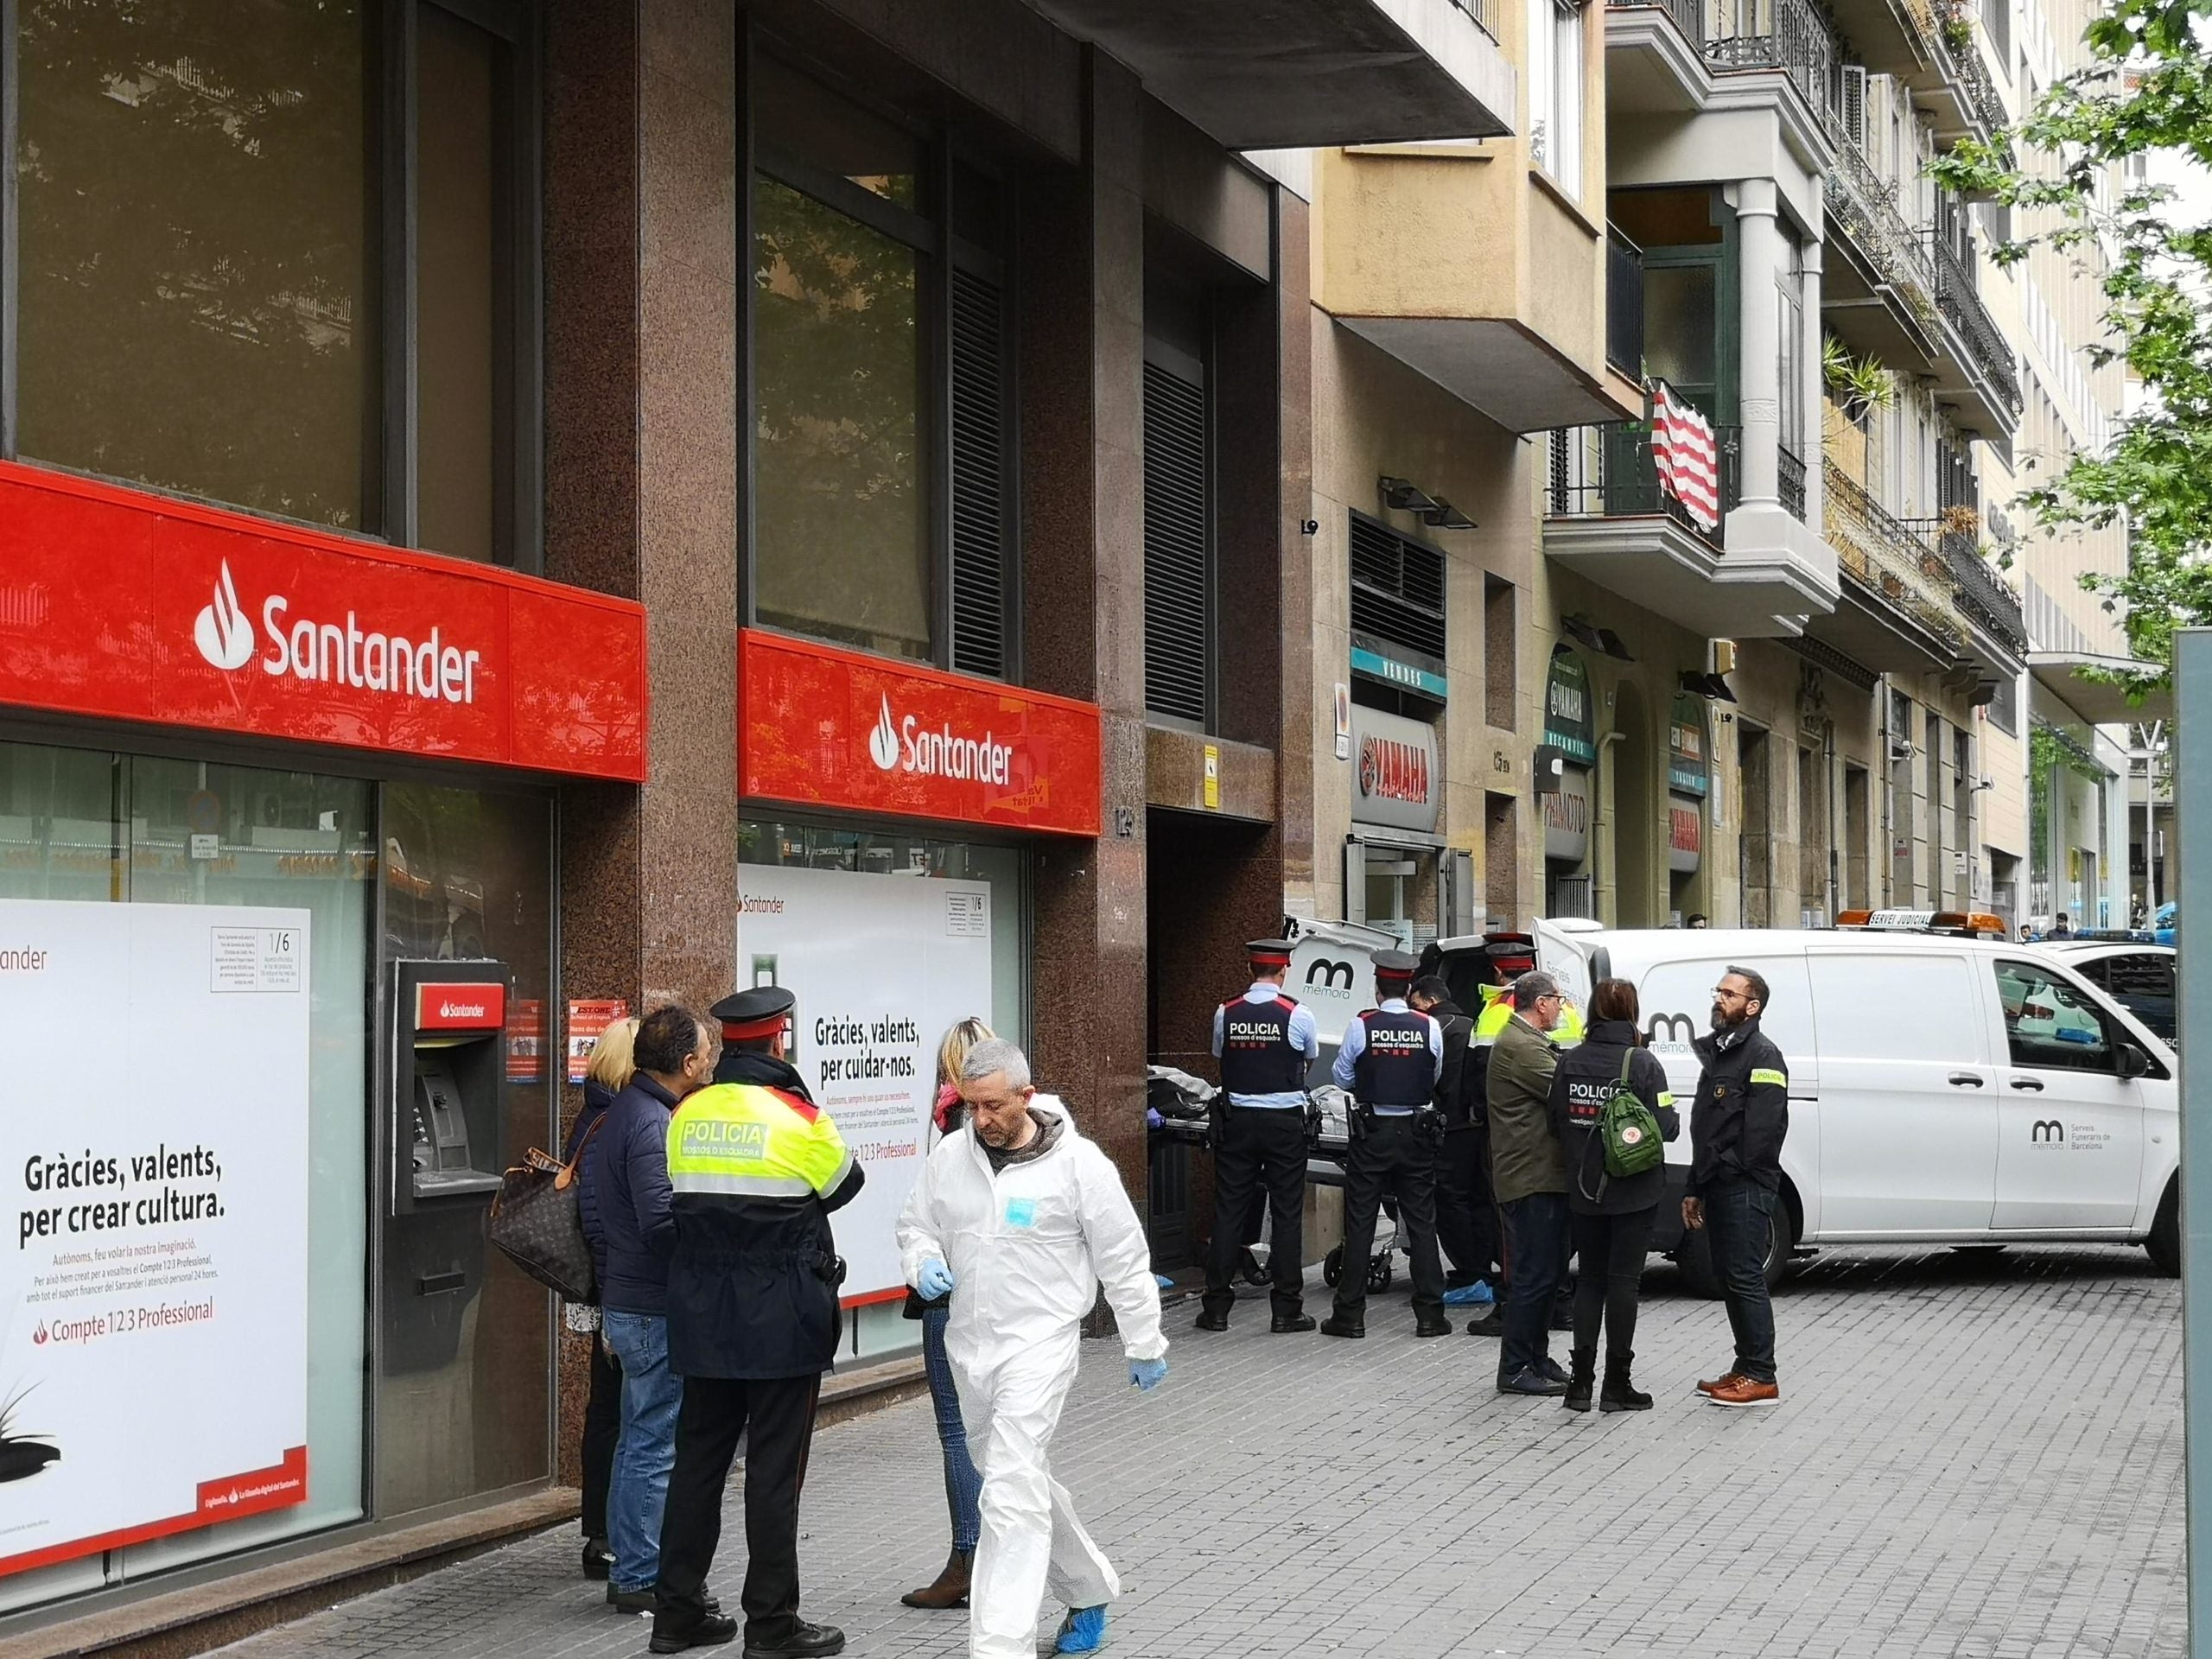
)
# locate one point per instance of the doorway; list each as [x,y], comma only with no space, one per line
[1635,815]
[1857,793]
[1755,865]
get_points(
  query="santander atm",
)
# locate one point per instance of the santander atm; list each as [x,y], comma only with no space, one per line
[445,1118]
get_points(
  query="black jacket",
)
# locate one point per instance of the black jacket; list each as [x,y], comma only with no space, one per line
[1585,1076]
[1459,1032]
[1742,1110]
[623,1199]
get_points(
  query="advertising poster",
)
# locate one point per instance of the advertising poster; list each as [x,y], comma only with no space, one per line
[153,1303]
[881,965]
[588,1022]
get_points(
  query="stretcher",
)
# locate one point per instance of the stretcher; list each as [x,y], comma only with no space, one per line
[1325,1166]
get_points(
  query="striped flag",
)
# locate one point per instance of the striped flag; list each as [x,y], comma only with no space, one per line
[1688,460]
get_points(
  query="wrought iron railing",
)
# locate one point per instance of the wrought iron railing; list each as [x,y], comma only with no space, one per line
[1788,35]
[1623,305]
[1789,477]
[1980,596]
[1885,556]
[1962,61]
[1688,16]
[1607,472]
[1484,12]
[1865,205]
[1968,320]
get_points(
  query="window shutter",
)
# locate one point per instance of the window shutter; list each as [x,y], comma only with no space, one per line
[1855,104]
[1397,588]
[980,504]
[1176,540]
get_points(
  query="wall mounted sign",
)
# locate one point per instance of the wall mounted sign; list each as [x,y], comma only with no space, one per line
[1686,747]
[821,726]
[1685,833]
[127,605]
[1406,677]
[1567,719]
[1396,781]
[1567,818]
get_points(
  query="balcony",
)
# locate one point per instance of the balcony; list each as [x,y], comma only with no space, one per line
[1299,74]
[1623,305]
[1607,520]
[1877,291]
[1655,57]
[1785,34]
[1974,369]
[1894,615]
[1996,630]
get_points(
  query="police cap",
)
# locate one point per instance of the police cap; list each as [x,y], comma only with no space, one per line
[1270,954]
[1395,964]
[751,1015]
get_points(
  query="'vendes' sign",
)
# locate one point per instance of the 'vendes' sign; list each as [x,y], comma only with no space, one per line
[134,606]
[836,728]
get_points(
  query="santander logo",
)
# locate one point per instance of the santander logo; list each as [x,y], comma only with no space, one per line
[904,746]
[329,653]
[222,634]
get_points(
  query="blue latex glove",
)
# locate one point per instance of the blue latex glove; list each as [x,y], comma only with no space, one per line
[1148,1374]
[934,1279]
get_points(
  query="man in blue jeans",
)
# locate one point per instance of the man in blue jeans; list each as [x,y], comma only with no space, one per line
[630,1222]
[1737,1127]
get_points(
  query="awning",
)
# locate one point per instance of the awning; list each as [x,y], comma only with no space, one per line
[2096,700]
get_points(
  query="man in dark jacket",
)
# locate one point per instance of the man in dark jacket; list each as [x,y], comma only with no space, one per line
[1737,1125]
[1530,1175]
[1466,1220]
[752,1323]
[630,1225]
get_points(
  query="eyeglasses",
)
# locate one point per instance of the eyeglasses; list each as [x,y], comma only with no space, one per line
[1727,995]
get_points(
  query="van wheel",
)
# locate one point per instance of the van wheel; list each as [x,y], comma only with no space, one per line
[2164,1246]
[1695,1257]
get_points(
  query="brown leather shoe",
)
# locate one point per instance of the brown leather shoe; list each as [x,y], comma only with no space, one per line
[1745,1391]
[1726,1380]
[950,1589]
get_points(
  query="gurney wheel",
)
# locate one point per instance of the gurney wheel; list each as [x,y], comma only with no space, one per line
[1332,1266]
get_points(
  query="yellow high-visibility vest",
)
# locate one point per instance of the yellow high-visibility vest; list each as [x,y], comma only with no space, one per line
[741,1140]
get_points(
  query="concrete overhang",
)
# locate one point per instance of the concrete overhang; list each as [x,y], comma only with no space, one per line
[1653,562]
[1869,627]
[1883,37]
[1285,74]
[1651,66]
[2100,704]
[1499,366]
[1868,313]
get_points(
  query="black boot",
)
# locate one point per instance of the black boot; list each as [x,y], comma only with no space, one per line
[1619,1394]
[1584,1363]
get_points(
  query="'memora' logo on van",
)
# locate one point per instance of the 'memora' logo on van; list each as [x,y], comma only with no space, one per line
[2047,1131]
[1670,1030]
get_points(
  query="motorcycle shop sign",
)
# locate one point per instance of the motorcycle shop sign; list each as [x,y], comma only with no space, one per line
[1396,783]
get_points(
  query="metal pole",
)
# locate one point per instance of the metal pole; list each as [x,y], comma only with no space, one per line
[2193,804]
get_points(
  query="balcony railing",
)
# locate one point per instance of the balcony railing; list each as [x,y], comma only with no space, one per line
[1962,311]
[1865,205]
[1623,305]
[1786,35]
[1484,12]
[1688,16]
[1607,472]
[1963,63]
[1886,556]
[1980,596]
[1790,476]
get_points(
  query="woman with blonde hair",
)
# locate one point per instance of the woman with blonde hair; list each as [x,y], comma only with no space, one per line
[612,1064]
[964,1487]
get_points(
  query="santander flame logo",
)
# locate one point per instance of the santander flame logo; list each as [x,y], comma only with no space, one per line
[222,634]
[883,741]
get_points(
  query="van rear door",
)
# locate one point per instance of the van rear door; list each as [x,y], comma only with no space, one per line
[1909,1094]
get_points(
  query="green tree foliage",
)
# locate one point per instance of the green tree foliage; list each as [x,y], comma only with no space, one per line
[2146,91]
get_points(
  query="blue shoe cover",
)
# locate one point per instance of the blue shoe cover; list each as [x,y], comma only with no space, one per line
[1475,1295]
[1084,1630]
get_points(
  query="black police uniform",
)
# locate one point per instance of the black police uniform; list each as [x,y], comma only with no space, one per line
[1393,1152]
[1465,1218]
[1259,1146]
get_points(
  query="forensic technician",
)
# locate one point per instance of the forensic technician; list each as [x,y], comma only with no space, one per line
[1390,1058]
[1265,1041]
[1021,1219]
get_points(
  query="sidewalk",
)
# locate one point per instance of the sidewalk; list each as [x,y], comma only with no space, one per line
[1976,1455]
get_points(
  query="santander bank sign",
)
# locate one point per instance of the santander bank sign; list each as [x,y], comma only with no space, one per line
[837,728]
[334,654]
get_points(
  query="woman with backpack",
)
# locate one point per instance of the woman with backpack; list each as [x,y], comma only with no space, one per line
[1610,1109]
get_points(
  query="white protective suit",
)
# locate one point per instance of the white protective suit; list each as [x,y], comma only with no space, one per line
[1029,1248]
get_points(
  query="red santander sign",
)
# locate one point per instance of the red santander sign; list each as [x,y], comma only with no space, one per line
[133,606]
[826,728]
[478,1005]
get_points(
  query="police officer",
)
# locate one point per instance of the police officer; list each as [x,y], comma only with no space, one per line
[1265,1041]
[1390,1058]
[752,1323]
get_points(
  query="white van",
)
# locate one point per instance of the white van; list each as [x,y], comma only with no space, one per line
[1943,1090]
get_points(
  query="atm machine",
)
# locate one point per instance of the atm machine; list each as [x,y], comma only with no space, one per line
[446,1110]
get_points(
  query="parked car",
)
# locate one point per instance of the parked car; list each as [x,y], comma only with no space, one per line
[1944,1089]
[2139,977]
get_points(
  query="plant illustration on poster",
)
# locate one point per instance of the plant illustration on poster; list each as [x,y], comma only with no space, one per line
[879,966]
[160,1210]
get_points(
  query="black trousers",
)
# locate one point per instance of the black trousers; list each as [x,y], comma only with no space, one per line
[1262,1148]
[1397,1158]
[1611,1249]
[1466,1216]
[602,1428]
[779,1414]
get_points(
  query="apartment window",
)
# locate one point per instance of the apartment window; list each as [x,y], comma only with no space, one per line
[1179,531]
[235,278]
[2005,707]
[1397,594]
[881,410]
[1556,91]
[1790,302]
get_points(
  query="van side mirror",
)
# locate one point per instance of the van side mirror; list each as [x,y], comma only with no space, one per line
[2133,1062]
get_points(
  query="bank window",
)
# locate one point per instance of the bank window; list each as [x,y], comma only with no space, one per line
[881,499]
[255,264]
[1555,90]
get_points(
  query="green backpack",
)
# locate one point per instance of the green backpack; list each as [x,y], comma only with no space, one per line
[1628,1129]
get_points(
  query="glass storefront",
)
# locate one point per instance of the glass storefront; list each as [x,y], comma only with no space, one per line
[465,873]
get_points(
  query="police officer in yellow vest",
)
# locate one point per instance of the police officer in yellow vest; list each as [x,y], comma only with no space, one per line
[752,1323]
